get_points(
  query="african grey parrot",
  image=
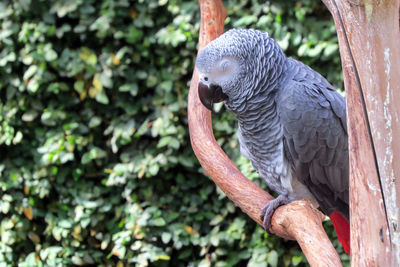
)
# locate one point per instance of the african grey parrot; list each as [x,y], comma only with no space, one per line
[291,121]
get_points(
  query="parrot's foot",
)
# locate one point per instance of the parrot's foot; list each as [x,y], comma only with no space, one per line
[268,210]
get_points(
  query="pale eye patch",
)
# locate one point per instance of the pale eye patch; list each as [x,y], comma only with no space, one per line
[224,65]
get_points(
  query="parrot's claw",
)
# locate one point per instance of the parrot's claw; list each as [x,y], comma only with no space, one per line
[268,210]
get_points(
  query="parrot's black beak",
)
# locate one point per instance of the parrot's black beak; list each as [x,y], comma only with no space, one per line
[211,94]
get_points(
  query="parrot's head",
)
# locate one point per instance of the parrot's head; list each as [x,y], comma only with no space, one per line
[233,67]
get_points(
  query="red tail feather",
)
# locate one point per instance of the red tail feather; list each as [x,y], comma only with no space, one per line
[342,228]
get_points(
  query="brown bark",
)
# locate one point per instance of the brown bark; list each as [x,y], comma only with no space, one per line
[369,40]
[297,220]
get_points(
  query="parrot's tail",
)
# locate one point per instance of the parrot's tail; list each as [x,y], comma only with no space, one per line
[342,228]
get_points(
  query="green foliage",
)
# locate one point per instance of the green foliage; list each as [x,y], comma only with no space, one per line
[96,165]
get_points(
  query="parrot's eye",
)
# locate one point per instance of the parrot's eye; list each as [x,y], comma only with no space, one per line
[206,79]
[224,65]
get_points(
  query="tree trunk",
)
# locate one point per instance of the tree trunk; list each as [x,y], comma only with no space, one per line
[369,39]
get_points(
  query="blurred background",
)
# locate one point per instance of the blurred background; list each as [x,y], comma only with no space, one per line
[96,167]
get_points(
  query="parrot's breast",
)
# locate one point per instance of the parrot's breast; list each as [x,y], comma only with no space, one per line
[264,148]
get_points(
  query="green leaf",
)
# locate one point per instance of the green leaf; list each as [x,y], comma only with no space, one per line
[102,98]
[131,88]
[216,220]
[166,85]
[134,35]
[166,237]
[163,257]
[273,258]
[50,55]
[88,56]
[330,49]
[17,138]
[296,260]
[30,72]
[65,224]
[159,222]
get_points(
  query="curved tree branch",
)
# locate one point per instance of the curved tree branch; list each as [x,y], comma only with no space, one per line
[298,220]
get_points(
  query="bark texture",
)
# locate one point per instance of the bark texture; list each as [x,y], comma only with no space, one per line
[369,40]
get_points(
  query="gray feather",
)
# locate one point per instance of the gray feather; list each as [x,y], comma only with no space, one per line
[324,144]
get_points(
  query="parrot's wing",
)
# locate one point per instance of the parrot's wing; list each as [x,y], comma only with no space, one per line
[313,118]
